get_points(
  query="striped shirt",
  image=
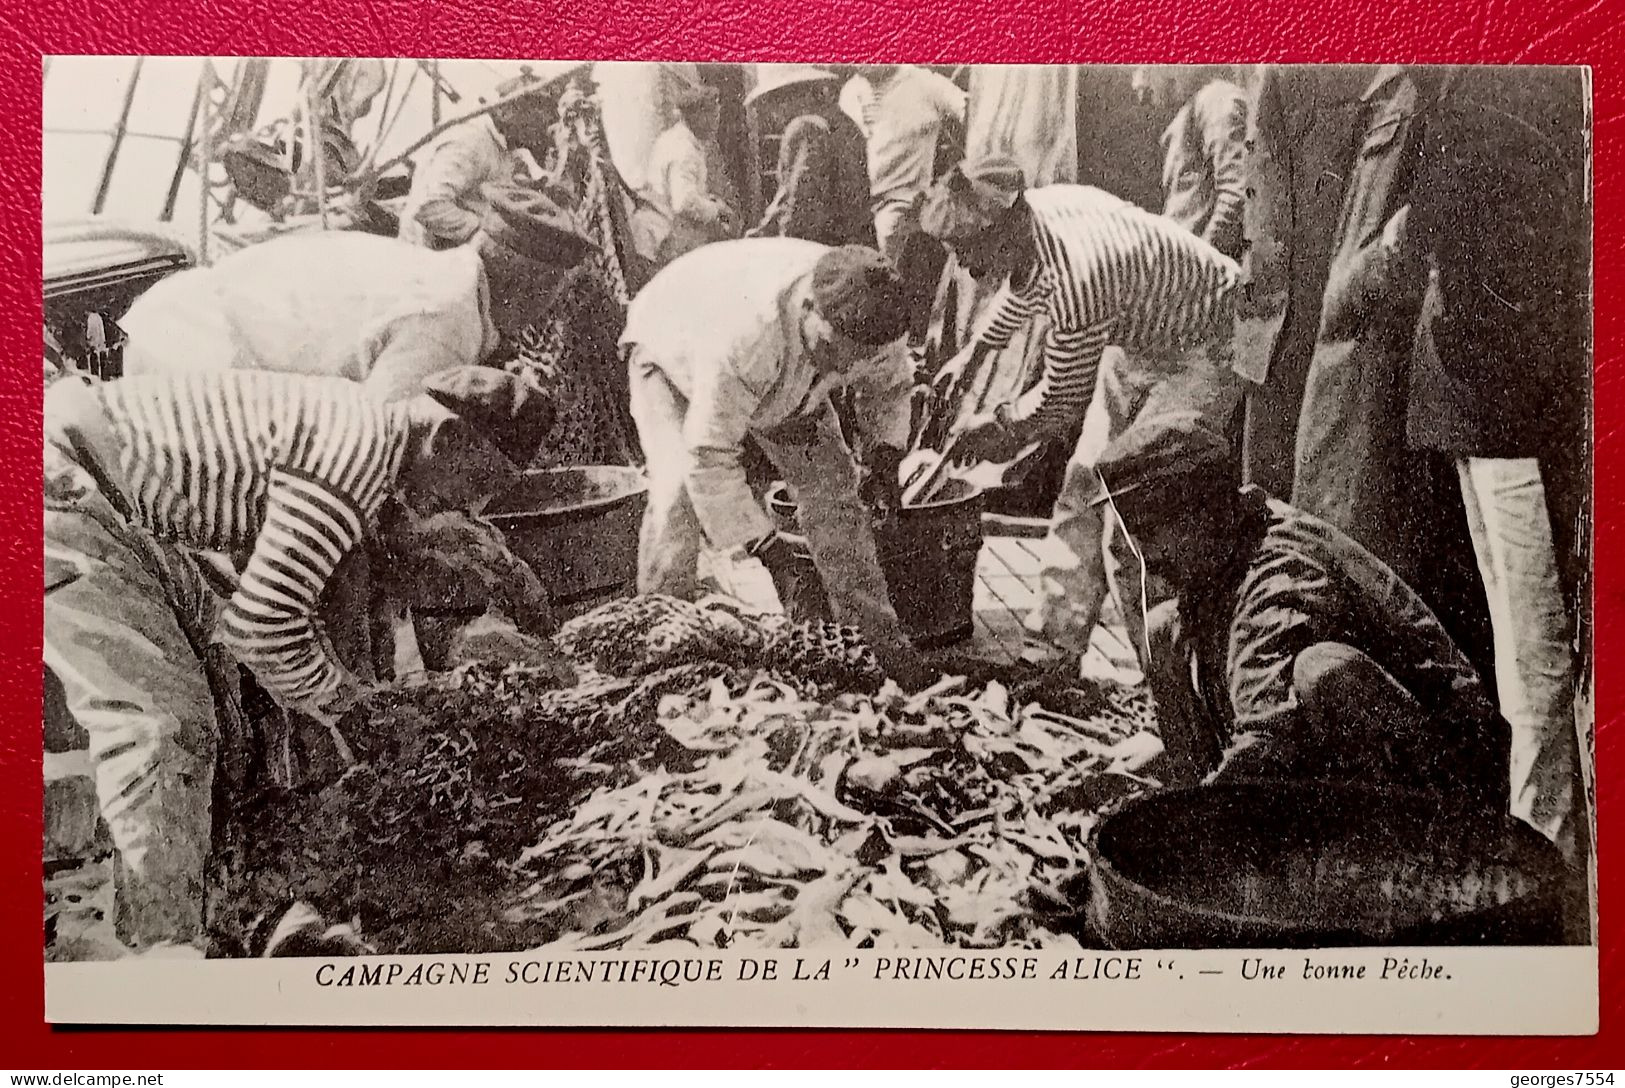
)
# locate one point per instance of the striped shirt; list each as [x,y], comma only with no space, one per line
[1108,273]
[290,469]
[1204,165]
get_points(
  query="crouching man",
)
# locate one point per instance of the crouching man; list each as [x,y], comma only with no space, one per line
[1290,651]
[287,473]
[748,339]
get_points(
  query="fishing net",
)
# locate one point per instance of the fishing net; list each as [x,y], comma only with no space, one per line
[714,777]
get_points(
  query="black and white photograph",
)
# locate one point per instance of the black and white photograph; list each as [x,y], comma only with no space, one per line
[569,510]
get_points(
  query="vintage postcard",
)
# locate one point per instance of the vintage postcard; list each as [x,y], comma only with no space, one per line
[1064,547]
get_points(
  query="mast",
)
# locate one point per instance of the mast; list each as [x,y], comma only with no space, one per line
[206,77]
[119,132]
[188,142]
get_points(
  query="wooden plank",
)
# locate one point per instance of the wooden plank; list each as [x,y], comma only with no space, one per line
[982,598]
[997,565]
[995,639]
[1037,549]
[1022,560]
[993,591]
[1018,594]
[1048,551]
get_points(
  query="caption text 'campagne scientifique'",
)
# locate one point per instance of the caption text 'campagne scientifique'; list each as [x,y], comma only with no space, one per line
[700,970]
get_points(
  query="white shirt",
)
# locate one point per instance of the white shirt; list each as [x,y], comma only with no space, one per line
[723,325]
[678,182]
[337,304]
[447,200]
[900,120]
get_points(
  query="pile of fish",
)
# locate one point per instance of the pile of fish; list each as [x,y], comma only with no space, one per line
[944,818]
[714,778]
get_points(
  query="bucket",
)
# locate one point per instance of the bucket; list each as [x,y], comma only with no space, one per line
[927,552]
[1319,865]
[578,529]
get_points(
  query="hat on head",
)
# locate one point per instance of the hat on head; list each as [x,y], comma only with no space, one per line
[527,223]
[1168,462]
[773,77]
[525,80]
[687,96]
[507,410]
[860,294]
[972,197]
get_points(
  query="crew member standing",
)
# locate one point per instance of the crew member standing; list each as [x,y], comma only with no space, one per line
[901,111]
[1302,123]
[690,215]
[1353,468]
[1502,384]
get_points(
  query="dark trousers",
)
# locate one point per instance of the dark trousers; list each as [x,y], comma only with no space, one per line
[1355,722]
[1270,432]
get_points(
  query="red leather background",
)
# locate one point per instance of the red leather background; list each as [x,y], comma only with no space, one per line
[1540,31]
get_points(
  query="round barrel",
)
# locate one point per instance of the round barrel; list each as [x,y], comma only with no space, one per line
[1319,865]
[578,529]
[927,552]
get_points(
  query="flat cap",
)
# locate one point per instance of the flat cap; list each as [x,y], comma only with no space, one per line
[529,224]
[686,96]
[509,411]
[1166,461]
[860,294]
[972,197]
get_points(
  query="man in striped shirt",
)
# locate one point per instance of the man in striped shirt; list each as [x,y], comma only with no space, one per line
[1204,149]
[287,474]
[1104,273]
[376,311]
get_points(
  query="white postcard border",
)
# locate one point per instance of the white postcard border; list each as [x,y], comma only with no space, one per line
[1412,991]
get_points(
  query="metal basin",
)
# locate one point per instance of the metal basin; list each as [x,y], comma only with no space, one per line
[927,552]
[578,529]
[1302,865]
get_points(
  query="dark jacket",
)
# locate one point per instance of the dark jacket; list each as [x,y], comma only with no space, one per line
[1300,128]
[1502,210]
[1352,461]
[823,176]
